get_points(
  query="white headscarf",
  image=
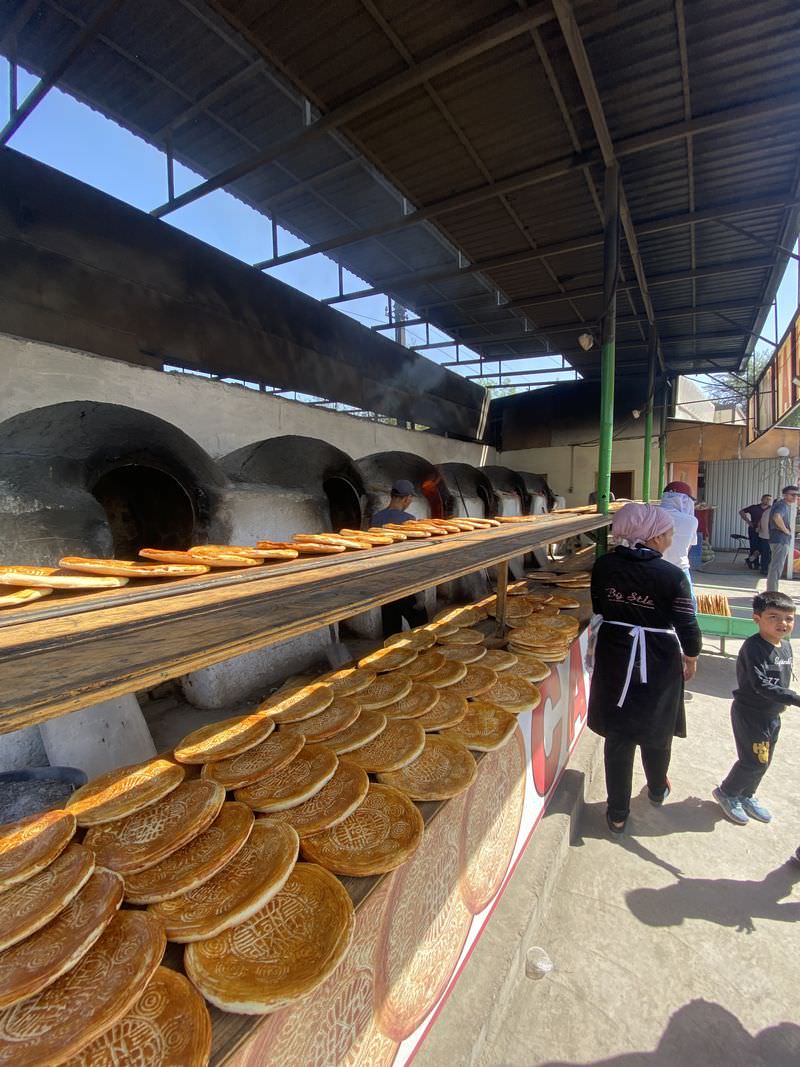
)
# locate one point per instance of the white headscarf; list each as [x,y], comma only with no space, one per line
[677,502]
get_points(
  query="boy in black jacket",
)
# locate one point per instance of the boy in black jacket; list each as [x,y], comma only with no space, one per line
[763,674]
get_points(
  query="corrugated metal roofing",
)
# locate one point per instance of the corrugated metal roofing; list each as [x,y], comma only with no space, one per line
[225,79]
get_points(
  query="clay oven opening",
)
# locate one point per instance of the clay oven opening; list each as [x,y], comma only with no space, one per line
[145,507]
[89,478]
[344,503]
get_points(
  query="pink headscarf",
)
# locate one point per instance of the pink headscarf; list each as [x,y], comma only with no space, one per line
[640,522]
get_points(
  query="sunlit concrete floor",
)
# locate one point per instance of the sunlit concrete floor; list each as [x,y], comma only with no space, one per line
[678,945]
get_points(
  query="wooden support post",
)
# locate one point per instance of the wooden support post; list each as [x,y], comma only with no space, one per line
[502,588]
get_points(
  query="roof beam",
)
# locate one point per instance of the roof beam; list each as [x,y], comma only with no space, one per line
[644,228]
[580,61]
[445,60]
[739,267]
[46,83]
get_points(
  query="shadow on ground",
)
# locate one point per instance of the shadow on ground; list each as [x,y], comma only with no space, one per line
[704,1034]
[724,901]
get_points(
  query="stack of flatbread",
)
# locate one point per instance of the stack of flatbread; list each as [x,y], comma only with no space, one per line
[72,965]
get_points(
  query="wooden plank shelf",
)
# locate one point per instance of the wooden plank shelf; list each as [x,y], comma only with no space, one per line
[77,651]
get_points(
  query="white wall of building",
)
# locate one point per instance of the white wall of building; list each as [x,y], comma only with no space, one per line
[219,417]
[571,470]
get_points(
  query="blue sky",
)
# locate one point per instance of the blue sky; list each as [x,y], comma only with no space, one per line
[81,142]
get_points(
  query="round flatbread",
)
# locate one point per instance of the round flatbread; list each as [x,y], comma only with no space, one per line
[30,845]
[543,576]
[273,552]
[35,963]
[449,709]
[424,665]
[298,702]
[255,874]
[283,952]
[458,615]
[223,739]
[465,636]
[399,744]
[311,769]
[88,1000]
[142,840]
[366,727]
[125,569]
[463,653]
[349,681]
[477,681]
[53,578]
[420,639]
[498,660]
[562,624]
[531,668]
[211,559]
[547,655]
[124,791]
[13,597]
[515,609]
[30,905]
[168,1026]
[381,835]
[279,749]
[485,727]
[564,600]
[337,799]
[415,703]
[387,689]
[316,548]
[342,713]
[444,769]
[195,863]
[388,659]
[441,629]
[448,674]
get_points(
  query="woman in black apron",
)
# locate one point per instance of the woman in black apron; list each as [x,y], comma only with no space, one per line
[647,643]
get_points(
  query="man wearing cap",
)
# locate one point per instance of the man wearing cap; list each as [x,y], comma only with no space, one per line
[402,493]
[678,500]
[781,536]
[392,615]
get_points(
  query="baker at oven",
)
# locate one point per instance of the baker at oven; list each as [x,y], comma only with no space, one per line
[393,614]
[647,643]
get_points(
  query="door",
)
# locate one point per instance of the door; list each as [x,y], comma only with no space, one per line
[622,485]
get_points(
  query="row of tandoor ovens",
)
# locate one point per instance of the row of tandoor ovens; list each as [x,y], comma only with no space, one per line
[98,479]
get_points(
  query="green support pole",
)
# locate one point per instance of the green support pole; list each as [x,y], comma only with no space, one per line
[647,458]
[662,441]
[608,349]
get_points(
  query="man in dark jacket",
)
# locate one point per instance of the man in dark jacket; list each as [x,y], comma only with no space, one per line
[393,614]
[752,515]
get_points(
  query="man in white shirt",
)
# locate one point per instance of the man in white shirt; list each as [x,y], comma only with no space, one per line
[678,500]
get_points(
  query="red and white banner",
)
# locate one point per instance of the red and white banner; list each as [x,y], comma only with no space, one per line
[416,931]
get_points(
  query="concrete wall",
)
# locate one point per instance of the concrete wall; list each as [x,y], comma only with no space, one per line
[571,470]
[219,417]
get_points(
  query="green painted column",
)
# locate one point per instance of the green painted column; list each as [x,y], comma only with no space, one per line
[647,454]
[608,346]
[662,440]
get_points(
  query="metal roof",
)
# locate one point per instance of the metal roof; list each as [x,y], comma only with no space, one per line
[452,154]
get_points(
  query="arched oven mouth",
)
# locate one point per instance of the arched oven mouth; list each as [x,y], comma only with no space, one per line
[146,507]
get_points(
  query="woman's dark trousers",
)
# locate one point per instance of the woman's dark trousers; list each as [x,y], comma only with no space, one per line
[619,753]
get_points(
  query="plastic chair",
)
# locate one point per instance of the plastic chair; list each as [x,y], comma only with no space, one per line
[742,541]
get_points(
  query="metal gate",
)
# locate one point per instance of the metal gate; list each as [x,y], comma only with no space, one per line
[732,484]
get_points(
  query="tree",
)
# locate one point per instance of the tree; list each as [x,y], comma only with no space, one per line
[731,389]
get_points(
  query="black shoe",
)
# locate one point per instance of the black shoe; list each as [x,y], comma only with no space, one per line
[616,828]
[659,798]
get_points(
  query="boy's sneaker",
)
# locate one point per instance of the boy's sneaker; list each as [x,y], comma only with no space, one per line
[732,806]
[755,809]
